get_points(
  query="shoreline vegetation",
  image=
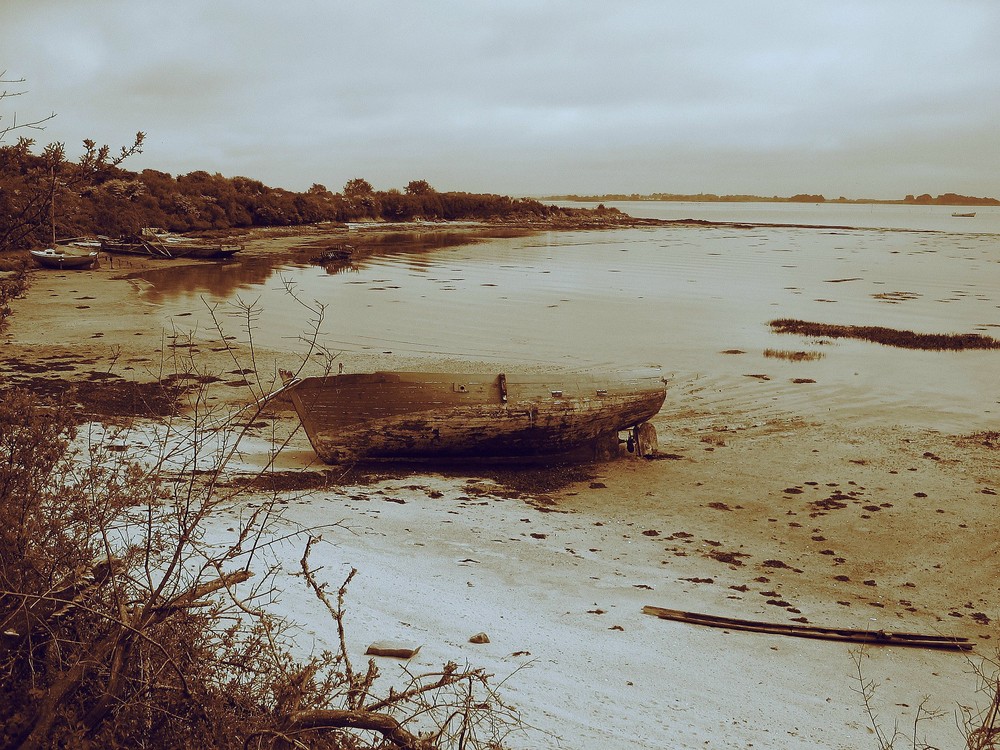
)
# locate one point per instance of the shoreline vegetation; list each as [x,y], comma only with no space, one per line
[46,197]
[925,199]
[887,336]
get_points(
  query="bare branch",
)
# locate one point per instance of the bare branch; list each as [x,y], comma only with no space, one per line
[338,615]
[15,125]
[384,724]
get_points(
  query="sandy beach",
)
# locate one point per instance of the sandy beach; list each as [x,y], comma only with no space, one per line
[758,506]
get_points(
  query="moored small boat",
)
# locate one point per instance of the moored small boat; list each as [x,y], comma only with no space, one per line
[967,215]
[177,248]
[208,252]
[164,245]
[123,247]
[57,258]
[384,416]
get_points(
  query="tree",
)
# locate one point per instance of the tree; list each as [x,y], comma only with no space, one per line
[361,199]
[33,184]
[419,187]
[358,188]
[398,207]
[14,124]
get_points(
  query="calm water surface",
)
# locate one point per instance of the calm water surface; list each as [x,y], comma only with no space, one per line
[868,216]
[677,297]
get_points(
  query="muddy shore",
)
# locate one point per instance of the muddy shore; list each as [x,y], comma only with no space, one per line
[742,513]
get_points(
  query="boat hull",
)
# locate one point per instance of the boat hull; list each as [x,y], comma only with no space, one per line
[199,251]
[204,252]
[421,416]
[121,247]
[65,261]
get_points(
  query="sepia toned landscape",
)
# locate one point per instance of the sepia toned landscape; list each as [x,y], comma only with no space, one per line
[507,376]
[782,490]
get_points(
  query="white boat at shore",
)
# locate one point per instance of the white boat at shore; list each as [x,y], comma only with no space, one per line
[52,257]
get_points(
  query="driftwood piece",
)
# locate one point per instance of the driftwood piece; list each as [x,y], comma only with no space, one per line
[871,637]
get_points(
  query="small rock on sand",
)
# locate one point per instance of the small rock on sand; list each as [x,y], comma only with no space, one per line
[396,649]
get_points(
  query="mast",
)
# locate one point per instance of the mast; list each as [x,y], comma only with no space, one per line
[52,204]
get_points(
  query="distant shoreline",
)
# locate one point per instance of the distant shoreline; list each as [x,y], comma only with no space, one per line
[946,199]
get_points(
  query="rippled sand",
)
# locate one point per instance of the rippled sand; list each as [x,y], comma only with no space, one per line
[842,487]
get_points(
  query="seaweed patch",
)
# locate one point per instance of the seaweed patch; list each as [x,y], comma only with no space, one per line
[887,336]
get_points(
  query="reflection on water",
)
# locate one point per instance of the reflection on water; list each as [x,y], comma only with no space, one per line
[222,280]
[216,280]
[673,296]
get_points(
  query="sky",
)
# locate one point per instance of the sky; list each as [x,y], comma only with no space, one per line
[854,98]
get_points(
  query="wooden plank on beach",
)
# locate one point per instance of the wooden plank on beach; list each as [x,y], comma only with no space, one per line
[873,637]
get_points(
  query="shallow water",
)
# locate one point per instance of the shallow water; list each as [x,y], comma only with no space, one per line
[861,215]
[677,297]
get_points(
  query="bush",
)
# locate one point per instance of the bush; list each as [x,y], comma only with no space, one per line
[121,627]
[11,287]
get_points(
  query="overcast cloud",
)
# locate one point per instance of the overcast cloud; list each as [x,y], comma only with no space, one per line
[870,98]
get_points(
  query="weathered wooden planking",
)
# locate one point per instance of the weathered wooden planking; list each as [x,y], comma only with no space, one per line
[409,415]
[873,637]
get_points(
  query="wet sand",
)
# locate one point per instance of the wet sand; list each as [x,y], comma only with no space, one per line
[761,505]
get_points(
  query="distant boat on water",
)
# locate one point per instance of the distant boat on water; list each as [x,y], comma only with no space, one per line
[384,416]
[967,215]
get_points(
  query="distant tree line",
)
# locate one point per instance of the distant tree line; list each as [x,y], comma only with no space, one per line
[945,199]
[88,198]
[695,198]
[951,199]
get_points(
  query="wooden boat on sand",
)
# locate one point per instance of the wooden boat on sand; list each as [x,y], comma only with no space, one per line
[157,245]
[52,257]
[177,248]
[384,416]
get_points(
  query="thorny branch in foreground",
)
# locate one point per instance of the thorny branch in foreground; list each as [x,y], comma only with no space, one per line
[458,705]
[983,726]
[125,614]
[980,727]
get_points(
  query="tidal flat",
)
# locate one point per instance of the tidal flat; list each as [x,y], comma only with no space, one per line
[854,489]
